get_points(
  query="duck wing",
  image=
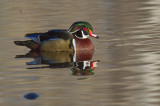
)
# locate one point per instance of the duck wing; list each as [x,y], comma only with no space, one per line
[50,35]
[34,37]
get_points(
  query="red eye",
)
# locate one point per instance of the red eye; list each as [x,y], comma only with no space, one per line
[84,29]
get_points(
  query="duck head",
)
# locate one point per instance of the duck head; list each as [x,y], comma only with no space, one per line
[82,30]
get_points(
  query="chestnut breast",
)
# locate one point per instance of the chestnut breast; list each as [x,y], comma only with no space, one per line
[84,49]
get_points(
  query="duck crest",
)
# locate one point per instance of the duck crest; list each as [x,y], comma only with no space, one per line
[78,25]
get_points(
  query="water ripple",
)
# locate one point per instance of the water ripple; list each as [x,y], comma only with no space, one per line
[128,50]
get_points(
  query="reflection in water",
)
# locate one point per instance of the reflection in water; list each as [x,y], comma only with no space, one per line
[84,68]
[62,60]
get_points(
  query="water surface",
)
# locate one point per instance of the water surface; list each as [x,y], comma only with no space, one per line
[128,73]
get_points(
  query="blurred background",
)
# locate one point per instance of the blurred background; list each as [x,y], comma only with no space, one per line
[128,73]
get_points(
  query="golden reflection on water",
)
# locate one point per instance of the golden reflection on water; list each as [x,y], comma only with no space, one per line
[128,74]
[62,60]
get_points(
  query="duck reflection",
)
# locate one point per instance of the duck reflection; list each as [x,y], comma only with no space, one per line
[84,68]
[79,64]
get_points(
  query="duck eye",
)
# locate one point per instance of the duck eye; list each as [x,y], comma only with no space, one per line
[85,29]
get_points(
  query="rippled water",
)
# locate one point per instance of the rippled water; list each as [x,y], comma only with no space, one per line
[128,73]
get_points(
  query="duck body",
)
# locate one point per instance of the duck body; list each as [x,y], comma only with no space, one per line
[75,40]
[60,41]
[53,40]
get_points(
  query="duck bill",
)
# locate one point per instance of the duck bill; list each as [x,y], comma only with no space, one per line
[92,35]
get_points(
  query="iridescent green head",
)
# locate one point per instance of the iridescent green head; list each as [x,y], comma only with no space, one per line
[79,25]
[84,27]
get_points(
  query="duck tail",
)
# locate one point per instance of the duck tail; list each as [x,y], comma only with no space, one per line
[28,43]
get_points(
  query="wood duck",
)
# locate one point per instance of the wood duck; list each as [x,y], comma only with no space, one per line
[75,39]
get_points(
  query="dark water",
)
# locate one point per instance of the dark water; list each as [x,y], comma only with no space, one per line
[128,73]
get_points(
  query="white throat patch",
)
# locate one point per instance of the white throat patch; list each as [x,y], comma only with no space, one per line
[83,36]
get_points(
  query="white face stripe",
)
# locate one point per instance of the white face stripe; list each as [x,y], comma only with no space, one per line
[70,29]
[74,31]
